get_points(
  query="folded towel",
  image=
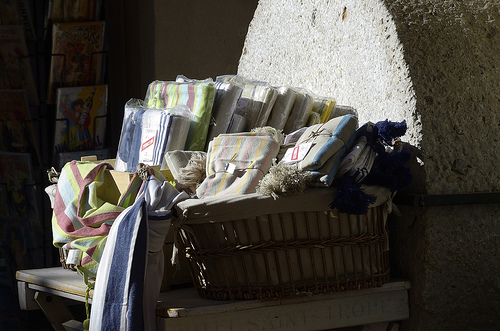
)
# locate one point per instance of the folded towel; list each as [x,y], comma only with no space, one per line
[154,136]
[129,145]
[351,157]
[330,142]
[198,96]
[363,164]
[237,124]
[236,163]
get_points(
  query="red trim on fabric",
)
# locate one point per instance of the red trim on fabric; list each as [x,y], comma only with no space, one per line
[88,231]
[224,144]
[63,221]
[97,219]
[90,251]
[90,178]
[86,259]
[164,95]
[191,97]
[76,172]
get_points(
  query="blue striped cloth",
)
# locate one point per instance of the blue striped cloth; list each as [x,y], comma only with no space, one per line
[129,277]
[127,156]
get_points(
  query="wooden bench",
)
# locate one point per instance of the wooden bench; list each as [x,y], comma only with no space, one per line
[53,289]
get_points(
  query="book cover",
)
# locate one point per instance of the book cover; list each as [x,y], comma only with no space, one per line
[77,57]
[80,118]
[15,67]
[74,10]
[14,12]
[17,133]
[20,229]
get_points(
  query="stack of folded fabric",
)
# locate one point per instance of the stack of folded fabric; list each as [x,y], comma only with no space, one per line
[329,143]
[376,159]
[148,133]
[127,156]
[198,96]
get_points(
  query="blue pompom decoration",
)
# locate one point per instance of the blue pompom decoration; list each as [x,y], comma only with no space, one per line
[389,131]
[350,199]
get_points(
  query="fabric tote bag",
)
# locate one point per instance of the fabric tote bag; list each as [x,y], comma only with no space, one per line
[86,204]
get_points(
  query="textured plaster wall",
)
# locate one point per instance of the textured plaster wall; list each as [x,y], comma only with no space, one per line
[436,64]
[433,63]
[453,53]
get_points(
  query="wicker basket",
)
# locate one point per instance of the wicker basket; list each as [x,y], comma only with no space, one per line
[262,255]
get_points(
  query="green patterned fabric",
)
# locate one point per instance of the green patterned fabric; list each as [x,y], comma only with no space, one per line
[198,96]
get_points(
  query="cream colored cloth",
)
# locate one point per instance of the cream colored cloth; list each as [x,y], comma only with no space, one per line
[236,163]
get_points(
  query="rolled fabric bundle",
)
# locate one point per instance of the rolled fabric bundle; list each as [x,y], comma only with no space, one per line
[255,103]
[264,97]
[237,123]
[282,107]
[129,145]
[237,162]
[226,98]
[323,106]
[314,118]
[300,111]
[339,110]
[179,122]
[351,157]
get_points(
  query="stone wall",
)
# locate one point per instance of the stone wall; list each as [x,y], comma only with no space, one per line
[435,64]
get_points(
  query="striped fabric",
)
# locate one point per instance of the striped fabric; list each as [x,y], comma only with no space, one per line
[236,162]
[324,107]
[127,155]
[331,141]
[155,131]
[85,206]
[131,269]
[198,96]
